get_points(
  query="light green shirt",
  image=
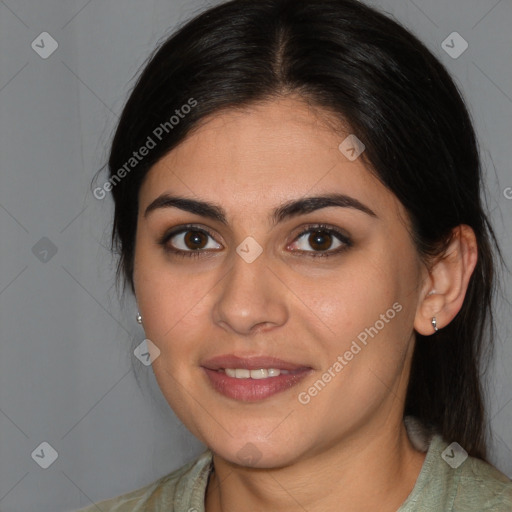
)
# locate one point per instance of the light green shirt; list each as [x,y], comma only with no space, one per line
[472,486]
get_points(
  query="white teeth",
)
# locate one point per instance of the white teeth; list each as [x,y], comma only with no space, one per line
[259,374]
[262,373]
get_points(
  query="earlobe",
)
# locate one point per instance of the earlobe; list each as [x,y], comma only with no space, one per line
[429,317]
[447,283]
[434,324]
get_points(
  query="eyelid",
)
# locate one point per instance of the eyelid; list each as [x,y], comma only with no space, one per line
[336,232]
[333,230]
[184,228]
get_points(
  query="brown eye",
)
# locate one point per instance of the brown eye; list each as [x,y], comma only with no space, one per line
[195,240]
[189,240]
[320,240]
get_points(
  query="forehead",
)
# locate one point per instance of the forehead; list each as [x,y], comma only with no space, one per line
[263,155]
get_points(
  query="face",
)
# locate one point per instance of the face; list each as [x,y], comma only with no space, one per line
[248,275]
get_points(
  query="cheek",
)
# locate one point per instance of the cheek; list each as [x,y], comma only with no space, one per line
[173,303]
[169,304]
[356,296]
[161,294]
[369,311]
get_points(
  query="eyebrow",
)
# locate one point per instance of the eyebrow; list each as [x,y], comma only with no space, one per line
[285,211]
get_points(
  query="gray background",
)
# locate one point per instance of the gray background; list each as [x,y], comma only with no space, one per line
[68,375]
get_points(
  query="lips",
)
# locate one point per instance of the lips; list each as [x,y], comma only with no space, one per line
[240,382]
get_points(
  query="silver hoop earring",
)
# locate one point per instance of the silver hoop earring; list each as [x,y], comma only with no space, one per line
[139,318]
[434,324]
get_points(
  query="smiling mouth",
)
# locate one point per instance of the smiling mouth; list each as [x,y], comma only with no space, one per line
[252,379]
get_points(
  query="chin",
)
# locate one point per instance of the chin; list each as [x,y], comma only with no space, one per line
[254,454]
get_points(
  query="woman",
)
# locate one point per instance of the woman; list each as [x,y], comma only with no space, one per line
[298,214]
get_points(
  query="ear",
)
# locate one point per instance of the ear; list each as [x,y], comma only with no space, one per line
[445,287]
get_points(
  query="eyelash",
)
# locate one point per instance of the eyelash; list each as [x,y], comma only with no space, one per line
[308,229]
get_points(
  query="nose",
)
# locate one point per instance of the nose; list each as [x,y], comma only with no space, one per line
[251,298]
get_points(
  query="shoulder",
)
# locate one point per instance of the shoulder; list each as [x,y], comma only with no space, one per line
[450,481]
[466,483]
[180,484]
[482,485]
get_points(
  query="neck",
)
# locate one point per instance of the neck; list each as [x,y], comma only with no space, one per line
[369,470]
